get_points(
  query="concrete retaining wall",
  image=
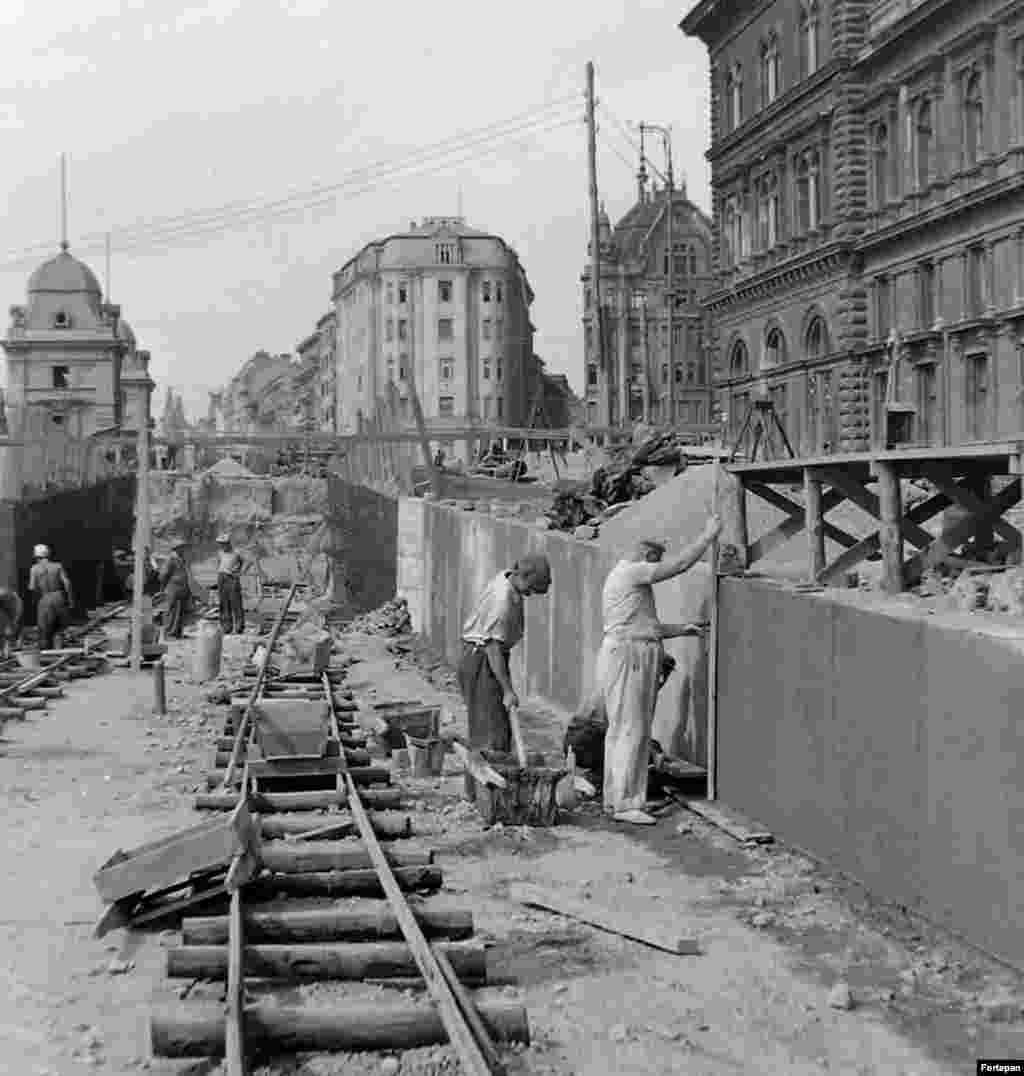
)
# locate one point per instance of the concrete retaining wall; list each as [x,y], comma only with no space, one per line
[889,744]
[447,555]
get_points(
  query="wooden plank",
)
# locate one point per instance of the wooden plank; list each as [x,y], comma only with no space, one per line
[270,802]
[291,727]
[943,479]
[472,1058]
[234,1052]
[158,864]
[728,823]
[289,857]
[295,767]
[788,528]
[606,919]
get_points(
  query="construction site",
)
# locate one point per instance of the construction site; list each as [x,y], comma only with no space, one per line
[277,848]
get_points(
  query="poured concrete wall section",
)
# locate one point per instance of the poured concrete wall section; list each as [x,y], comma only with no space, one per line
[364,536]
[82,527]
[888,744]
[447,556]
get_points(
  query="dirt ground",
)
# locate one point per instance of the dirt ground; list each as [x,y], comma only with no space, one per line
[98,771]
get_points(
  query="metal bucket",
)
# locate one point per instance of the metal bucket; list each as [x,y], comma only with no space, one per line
[426,756]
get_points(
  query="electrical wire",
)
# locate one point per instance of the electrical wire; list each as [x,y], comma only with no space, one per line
[610,145]
[157,228]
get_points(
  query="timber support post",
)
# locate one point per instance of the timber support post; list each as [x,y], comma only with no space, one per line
[815,530]
[890,533]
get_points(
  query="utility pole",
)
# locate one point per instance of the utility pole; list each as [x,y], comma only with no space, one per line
[63,201]
[106,251]
[670,189]
[141,535]
[596,318]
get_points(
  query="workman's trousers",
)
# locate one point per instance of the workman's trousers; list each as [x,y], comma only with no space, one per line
[51,618]
[489,728]
[627,673]
[232,613]
[176,596]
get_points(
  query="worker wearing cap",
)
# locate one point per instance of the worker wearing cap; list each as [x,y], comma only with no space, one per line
[492,630]
[174,581]
[229,587]
[629,665]
[50,584]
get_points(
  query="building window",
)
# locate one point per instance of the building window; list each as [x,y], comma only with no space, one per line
[487,407]
[809,39]
[883,308]
[446,406]
[976,395]
[403,293]
[693,261]
[487,369]
[62,320]
[734,97]
[391,369]
[808,191]
[58,420]
[976,297]
[444,291]
[591,376]
[500,402]
[774,348]
[973,121]
[444,329]
[498,292]
[880,165]
[389,329]
[927,402]
[60,377]
[926,295]
[677,375]
[500,370]
[586,298]
[403,367]
[447,369]
[485,328]
[814,341]
[739,361]
[634,335]
[664,373]
[500,326]
[403,329]
[769,70]
[923,149]
[389,292]
[588,338]
[485,291]
[691,373]
[444,253]
[635,372]
[767,189]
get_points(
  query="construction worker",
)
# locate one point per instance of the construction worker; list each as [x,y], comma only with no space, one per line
[629,665]
[229,587]
[10,618]
[50,584]
[494,627]
[175,583]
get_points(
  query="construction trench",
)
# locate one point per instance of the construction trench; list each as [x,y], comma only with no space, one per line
[582,948]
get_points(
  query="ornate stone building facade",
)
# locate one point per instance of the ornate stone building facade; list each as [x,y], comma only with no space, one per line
[73,364]
[640,381]
[868,206]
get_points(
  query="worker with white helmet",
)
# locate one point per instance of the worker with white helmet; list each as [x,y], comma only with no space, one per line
[50,584]
[229,586]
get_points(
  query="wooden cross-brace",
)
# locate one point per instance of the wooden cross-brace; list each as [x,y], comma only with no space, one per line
[795,521]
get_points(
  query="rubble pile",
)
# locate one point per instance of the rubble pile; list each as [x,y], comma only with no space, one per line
[616,483]
[392,618]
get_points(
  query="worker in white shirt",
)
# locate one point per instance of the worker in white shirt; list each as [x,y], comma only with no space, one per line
[629,663]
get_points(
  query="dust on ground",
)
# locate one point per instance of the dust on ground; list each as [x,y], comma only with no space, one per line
[99,771]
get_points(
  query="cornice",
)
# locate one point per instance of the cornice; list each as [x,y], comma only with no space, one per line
[878,49]
[819,262]
[57,343]
[781,107]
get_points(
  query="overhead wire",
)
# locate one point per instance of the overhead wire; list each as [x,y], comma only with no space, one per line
[158,229]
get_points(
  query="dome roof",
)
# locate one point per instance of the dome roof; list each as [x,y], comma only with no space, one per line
[64,273]
[125,333]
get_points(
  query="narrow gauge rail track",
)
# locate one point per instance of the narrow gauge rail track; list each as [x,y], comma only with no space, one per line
[292,746]
[28,689]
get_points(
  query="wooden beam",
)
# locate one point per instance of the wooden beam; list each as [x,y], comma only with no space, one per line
[942,478]
[866,500]
[815,531]
[890,534]
[472,1058]
[435,475]
[234,1052]
[960,532]
[788,528]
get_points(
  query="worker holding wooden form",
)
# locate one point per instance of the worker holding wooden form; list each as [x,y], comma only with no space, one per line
[629,664]
[488,636]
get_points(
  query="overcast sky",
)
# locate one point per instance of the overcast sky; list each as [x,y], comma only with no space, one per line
[170,111]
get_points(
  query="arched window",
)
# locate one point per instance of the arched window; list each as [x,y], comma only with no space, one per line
[769,70]
[974,116]
[739,361]
[774,347]
[880,148]
[808,38]
[923,132]
[815,341]
[735,96]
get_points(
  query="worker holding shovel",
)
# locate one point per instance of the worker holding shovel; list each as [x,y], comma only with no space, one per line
[629,664]
[488,636]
